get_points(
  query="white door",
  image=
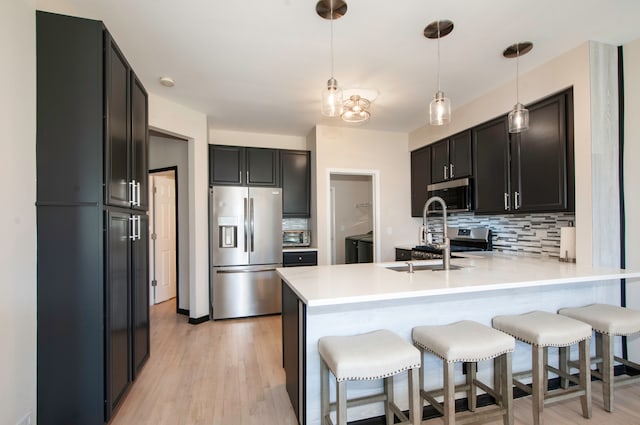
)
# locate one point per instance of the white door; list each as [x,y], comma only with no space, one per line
[162,259]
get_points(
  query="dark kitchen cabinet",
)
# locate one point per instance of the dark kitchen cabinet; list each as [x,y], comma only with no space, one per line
[420,179]
[294,341]
[530,171]
[542,174]
[451,158]
[226,165]
[295,178]
[241,166]
[125,132]
[93,317]
[262,167]
[491,157]
[299,258]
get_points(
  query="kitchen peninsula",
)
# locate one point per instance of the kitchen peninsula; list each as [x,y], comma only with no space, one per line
[355,298]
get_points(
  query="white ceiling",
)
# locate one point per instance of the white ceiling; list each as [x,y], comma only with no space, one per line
[260,65]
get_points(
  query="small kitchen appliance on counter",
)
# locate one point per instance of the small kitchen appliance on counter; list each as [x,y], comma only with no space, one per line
[296,238]
[461,240]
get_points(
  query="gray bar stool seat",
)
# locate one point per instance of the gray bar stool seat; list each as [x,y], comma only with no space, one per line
[542,330]
[468,342]
[607,321]
[375,355]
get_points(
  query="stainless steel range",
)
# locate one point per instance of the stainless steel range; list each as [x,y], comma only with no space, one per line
[462,239]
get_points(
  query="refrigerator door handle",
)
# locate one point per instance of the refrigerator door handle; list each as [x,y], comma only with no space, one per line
[269,269]
[246,224]
[252,222]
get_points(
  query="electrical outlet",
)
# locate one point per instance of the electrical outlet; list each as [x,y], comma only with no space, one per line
[26,420]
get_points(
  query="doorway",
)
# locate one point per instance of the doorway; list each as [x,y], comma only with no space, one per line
[163,234]
[352,217]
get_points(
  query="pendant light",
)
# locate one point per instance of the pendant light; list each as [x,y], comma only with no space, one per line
[355,109]
[440,106]
[519,115]
[332,94]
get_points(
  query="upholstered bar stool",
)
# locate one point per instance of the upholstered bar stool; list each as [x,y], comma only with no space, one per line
[468,342]
[542,330]
[375,355]
[607,321]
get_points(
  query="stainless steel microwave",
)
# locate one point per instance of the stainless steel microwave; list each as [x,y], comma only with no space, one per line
[296,238]
[455,193]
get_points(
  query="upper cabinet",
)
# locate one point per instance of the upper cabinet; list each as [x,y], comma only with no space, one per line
[451,158]
[295,177]
[240,166]
[420,179]
[126,132]
[530,171]
[491,158]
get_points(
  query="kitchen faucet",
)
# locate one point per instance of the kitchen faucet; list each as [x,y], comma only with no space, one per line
[444,246]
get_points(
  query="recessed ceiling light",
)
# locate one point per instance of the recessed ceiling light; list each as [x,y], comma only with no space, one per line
[167,81]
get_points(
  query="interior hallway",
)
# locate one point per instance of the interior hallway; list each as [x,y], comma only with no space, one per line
[230,372]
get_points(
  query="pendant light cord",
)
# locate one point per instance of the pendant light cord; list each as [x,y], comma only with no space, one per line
[438,55]
[517,73]
[331,19]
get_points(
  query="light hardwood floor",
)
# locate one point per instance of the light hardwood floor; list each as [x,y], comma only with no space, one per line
[230,372]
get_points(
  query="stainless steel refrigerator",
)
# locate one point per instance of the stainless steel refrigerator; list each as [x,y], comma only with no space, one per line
[245,248]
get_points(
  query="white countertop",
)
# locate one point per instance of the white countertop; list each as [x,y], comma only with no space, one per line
[356,283]
[298,249]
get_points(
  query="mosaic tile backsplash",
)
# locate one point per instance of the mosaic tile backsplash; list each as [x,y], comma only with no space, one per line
[534,234]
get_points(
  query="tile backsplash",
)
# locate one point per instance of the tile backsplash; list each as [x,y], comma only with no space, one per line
[535,234]
[295,223]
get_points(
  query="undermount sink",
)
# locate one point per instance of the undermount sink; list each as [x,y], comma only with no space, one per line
[421,267]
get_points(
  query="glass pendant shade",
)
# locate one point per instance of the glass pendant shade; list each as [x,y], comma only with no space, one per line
[439,109]
[518,119]
[332,99]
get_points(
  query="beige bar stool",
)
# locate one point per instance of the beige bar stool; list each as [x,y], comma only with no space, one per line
[607,321]
[542,330]
[374,355]
[468,342]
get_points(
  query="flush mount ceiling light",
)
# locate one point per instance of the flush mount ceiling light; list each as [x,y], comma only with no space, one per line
[519,115]
[332,94]
[167,81]
[440,106]
[355,109]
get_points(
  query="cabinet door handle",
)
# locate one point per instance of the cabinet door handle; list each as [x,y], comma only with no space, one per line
[132,192]
[517,200]
[246,224]
[138,197]
[133,220]
[445,172]
[139,221]
[506,201]
[451,170]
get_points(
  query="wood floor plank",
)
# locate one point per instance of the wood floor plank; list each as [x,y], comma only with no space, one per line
[230,372]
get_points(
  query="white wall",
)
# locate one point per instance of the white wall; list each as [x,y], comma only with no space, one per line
[165,152]
[177,119]
[18,212]
[569,69]
[631,56]
[241,138]
[385,153]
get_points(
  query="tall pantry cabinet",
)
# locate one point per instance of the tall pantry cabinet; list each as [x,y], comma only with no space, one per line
[91,153]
